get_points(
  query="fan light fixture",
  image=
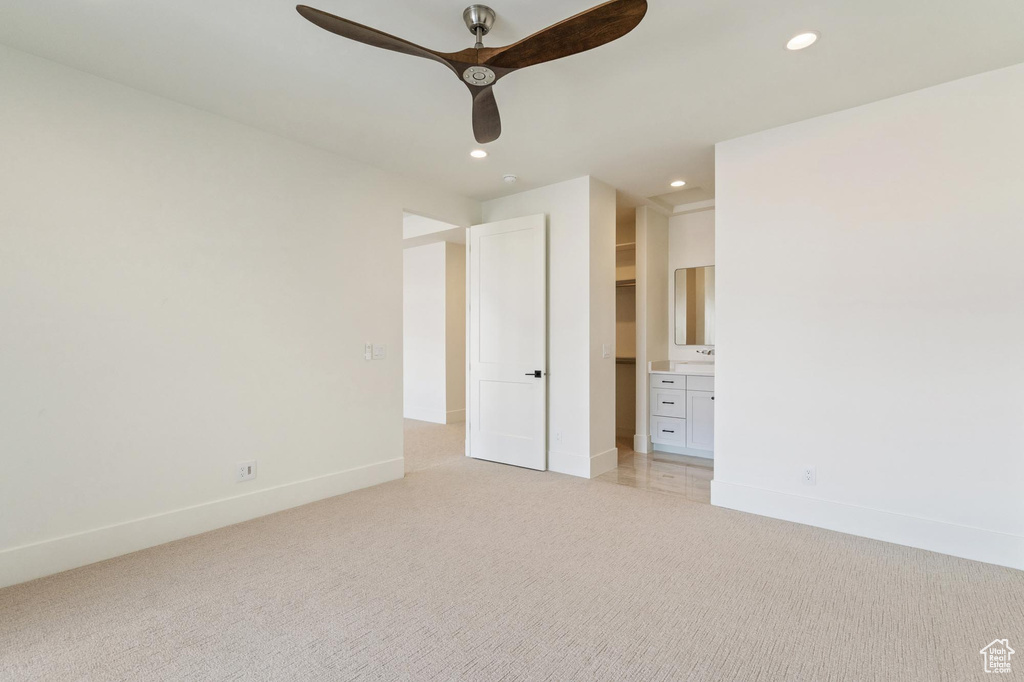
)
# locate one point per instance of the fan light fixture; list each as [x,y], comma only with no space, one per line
[801,41]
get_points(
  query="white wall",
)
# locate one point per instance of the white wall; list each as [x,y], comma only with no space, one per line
[424,331]
[179,293]
[691,244]
[569,209]
[870,318]
[652,317]
[434,333]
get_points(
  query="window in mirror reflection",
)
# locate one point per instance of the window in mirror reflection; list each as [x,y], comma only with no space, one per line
[695,306]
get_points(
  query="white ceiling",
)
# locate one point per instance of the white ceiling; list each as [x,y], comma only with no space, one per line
[636,113]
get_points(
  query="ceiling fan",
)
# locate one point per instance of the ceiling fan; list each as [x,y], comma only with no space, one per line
[481,67]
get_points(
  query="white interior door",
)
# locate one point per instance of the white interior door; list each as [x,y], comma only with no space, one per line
[507,410]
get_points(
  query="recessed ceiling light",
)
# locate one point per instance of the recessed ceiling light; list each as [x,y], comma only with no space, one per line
[679,183]
[478,154]
[801,41]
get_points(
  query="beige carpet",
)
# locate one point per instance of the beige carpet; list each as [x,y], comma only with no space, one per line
[476,571]
[429,445]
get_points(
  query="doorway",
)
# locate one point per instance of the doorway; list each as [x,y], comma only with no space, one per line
[433,341]
[625,329]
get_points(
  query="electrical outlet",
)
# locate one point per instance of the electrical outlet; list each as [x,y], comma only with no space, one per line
[606,350]
[368,351]
[810,476]
[380,351]
[245,471]
[558,437]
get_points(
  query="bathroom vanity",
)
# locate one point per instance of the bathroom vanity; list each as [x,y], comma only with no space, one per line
[682,407]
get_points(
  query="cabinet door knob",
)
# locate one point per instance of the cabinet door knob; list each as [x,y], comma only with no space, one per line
[712,397]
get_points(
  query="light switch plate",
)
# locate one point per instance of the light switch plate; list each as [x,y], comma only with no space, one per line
[606,350]
[368,351]
[380,351]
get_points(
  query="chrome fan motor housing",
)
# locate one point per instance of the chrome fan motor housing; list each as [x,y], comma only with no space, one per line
[479,17]
[479,76]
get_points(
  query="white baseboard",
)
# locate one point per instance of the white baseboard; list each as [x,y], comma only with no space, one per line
[604,462]
[641,443]
[582,465]
[938,536]
[425,414]
[19,564]
[456,416]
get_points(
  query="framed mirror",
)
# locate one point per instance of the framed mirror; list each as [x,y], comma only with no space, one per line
[695,306]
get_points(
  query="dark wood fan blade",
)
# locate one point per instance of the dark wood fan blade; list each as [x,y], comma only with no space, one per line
[585,31]
[486,120]
[369,36]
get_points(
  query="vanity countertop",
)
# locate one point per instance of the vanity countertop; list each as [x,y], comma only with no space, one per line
[704,368]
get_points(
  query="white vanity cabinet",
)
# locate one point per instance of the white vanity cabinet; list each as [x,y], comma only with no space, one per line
[700,420]
[683,413]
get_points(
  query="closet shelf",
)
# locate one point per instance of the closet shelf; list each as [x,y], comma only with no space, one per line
[625,282]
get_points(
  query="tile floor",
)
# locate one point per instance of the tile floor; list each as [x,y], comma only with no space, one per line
[689,477]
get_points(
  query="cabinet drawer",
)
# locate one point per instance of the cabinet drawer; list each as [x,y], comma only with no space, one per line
[668,381]
[666,402]
[668,430]
[694,383]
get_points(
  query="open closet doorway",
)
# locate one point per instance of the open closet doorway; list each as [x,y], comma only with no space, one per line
[625,328]
[433,341]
